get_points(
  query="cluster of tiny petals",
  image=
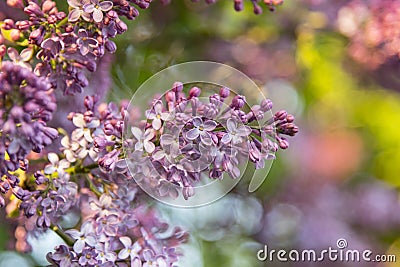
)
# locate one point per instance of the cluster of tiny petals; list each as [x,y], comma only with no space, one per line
[27,103]
[184,136]
[115,232]
[65,49]
[119,228]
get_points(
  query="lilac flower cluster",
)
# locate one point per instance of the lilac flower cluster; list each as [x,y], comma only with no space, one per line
[116,231]
[182,138]
[118,226]
[67,45]
[26,104]
[185,137]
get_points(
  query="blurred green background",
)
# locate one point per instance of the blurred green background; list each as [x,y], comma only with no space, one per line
[340,176]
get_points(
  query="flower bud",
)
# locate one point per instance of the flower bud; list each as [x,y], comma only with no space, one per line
[111,46]
[194,92]
[224,92]
[177,87]
[15,34]
[238,102]
[266,105]
[238,5]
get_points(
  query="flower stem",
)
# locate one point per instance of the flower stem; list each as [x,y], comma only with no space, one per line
[62,234]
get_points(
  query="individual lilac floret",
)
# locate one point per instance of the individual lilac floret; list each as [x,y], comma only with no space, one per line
[83,237]
[201,129]
[86,44]
[77,10]
[21,58]
[143,139]
[157,115]
[235,133]
[96,8]
[130,250]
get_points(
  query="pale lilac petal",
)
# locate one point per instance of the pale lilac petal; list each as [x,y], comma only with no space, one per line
[84,50]
[244,130]
[161,261]
[156,124]
[149,134]
[150,115]
[26,54]
[206,138]
[167,139]
[193,134]
[148,254]
[158,107]
[174,149]
[165,116]
[106,5]
[123,254]
[149,146]
[88,8]
[53,158]
[139,146]
[69,155]
[126,241]
[82,154]
[86,16]
[197,121]
[12,53]
[74,3]
[226,138]
[231,125]
[136,262]
[49,169]
[97,15]
[78,121]
[137,133]
[82,33]
[105,200]
[210,125]
[79,245]
[74,15]
[159,155]
[75,234]
[91,240]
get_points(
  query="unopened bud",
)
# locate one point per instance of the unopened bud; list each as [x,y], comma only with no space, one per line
[194,92]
